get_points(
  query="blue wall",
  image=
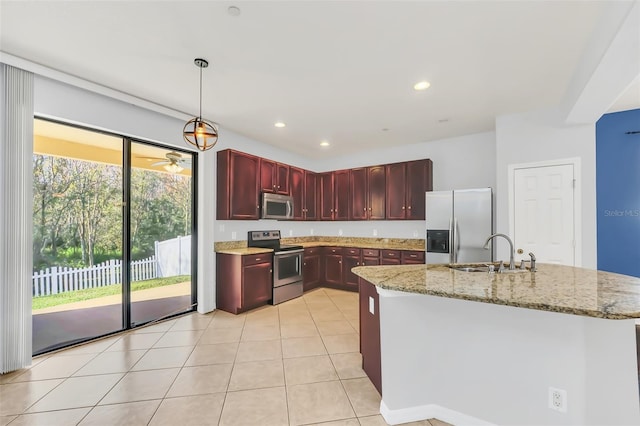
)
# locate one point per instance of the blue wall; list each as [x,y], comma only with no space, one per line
[618,192]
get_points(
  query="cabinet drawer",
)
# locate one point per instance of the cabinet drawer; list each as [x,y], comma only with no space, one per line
[370,252]
[391,254]
[350,251]
[310,251]
[253,259]
[333,250]
[417,256]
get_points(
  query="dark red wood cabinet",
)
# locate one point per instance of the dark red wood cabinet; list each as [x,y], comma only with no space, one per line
[310,207]
[311,268]
[334,195]
[367,193]
[351,257]
[297,186]
[405,189]
[390,257]
[411,257]
[243,282]
[238,191]
[333,267]
[274,177]
[369,305]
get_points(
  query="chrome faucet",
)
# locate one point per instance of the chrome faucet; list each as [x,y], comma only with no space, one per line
[512,264]
[533,262]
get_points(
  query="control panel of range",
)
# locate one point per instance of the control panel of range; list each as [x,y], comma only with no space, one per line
[264,235]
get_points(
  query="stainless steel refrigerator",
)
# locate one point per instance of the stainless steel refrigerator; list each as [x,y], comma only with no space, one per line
[458,224]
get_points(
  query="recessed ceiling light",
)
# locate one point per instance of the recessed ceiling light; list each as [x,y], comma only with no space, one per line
[279,124]
[443,120]
[385,129]
[422,85]
[324,143]
[233,10]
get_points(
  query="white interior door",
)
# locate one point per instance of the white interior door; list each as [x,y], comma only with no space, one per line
[543,219]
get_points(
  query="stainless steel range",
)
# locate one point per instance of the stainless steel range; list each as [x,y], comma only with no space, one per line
[287,264]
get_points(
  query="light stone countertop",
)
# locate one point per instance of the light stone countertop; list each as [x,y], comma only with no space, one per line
[239,247]
[553,288]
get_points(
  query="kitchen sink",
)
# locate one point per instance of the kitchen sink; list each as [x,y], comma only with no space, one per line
[485,268]
[470,268]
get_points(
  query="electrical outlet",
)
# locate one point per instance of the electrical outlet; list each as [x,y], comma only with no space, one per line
[340,232]
[291,232]
[558,399]
[221,228]
[416,234]
[375,232]
[311,231]
[234,235]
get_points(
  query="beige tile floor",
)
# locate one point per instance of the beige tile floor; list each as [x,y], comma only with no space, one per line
[297,363]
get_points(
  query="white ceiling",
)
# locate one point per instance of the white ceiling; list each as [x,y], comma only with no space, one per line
[340,71]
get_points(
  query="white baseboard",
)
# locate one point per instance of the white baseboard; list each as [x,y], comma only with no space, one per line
[429,411]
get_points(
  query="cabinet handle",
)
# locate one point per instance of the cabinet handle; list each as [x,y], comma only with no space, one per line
[402,207]
[258,259]
[409,207]
[339,261]
[369,208]
[270,271]
[278,186]
[413,255]
[365,209]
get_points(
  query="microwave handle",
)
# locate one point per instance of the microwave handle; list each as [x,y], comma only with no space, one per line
[289,209]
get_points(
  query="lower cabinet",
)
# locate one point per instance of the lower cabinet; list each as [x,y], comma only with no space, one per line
[370,333]
[243,282]
[311,268]
[333,267]
[351,257]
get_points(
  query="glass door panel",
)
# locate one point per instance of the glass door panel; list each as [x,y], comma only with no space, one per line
[77,235]
[160,232]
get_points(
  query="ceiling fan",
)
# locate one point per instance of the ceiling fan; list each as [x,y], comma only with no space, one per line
[173,162]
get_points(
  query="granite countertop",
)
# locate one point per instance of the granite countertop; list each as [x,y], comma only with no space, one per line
[240,246]
[553,288]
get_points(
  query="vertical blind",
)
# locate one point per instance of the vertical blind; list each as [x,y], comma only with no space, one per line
[16,198]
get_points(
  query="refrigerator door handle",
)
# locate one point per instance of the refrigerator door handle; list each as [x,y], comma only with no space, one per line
[456,240]
[452,257]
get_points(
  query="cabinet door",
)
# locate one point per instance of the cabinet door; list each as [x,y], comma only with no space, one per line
[333,269]
[311,271]
[350,280]
[341,195]
[376,186]
[282,179]
[297,192]
[257,285]
[310,196]
[244,192]
[395,191]
[370,333]
[418,182]
[267,175]
[358,194]
[412,257]
[326,196]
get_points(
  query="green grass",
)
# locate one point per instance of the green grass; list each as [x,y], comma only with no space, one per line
[94,293]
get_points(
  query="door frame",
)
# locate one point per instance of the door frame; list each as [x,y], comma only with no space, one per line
[577,198]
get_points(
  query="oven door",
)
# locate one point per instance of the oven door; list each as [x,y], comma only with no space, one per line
[287,267]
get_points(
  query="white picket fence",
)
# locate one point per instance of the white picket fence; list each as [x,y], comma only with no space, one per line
[56,280]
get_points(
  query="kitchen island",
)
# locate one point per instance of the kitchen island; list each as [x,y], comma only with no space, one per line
[480,348]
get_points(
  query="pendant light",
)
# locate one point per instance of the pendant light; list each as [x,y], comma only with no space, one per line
[199,132]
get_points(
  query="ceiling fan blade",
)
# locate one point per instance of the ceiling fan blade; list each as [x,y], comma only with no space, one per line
[160,163]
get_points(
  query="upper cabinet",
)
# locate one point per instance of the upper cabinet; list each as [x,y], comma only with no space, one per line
[334,195]
[274,177]
[405,189]
[392,191]
[238,186]
[367,191]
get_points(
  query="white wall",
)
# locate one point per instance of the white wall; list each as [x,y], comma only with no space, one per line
[540,136]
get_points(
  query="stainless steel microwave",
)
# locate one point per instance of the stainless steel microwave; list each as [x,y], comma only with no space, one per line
[276,206]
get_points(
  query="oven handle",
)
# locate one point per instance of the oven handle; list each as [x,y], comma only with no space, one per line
[284,253]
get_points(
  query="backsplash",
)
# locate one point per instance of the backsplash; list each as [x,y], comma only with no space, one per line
[385,243]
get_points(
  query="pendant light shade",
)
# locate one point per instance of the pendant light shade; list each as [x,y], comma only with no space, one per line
[199,132]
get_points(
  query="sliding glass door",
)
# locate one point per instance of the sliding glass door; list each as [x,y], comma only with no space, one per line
[77,235]
[161,223]
[113,238]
